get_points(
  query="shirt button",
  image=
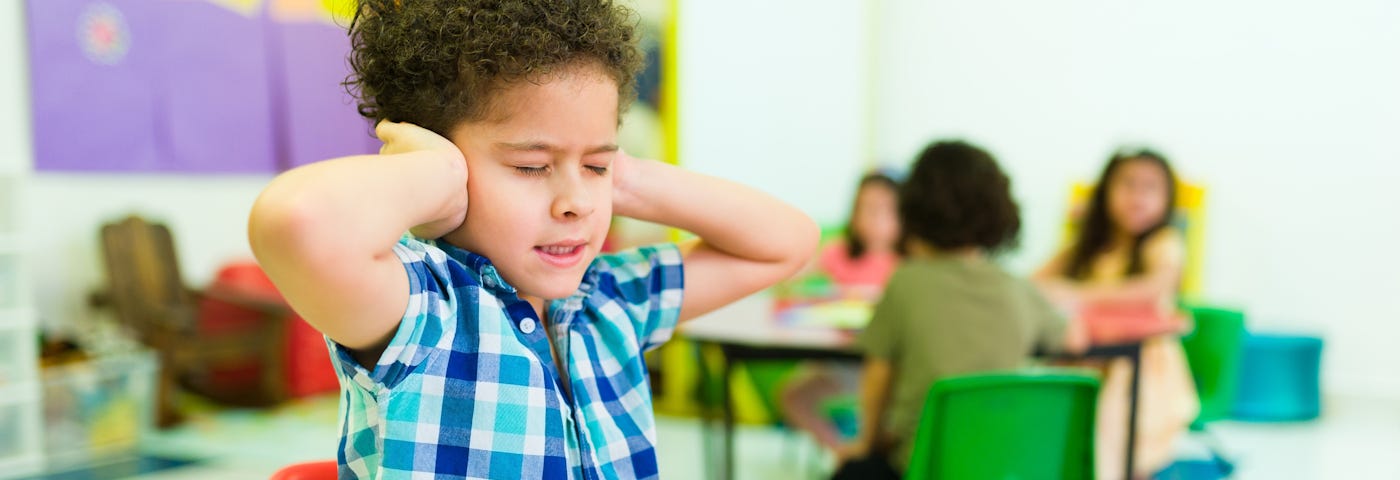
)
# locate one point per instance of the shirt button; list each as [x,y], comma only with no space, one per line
[490,281]
[527,326]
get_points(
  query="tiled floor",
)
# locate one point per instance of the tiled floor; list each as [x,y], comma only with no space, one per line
[1357,438]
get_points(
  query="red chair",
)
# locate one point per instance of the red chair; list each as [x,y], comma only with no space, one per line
[306,363]
[318,470]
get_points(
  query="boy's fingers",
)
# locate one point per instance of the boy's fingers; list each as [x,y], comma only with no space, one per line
[385,130]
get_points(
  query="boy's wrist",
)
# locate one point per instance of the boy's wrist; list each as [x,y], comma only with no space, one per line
[628,197]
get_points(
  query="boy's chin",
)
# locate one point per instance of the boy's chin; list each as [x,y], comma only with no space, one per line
[553,288]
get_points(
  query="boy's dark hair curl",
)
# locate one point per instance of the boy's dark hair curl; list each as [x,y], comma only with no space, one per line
[956,196]
[437,63]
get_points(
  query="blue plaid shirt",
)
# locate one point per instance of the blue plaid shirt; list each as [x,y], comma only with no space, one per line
[468,387]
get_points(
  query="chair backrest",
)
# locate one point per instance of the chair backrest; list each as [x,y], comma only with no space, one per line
[318,470]
[1189,220]
[1214,351]
[143,275]
[1025,424]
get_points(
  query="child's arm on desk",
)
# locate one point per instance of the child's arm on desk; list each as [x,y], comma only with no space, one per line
[325,232]
[748,239]
[1163,257]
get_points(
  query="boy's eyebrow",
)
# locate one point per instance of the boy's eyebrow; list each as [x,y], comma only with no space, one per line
[544,147]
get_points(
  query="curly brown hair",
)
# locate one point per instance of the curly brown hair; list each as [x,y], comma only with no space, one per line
[437,63]
[956,197]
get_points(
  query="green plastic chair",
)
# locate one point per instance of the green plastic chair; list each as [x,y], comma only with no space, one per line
[1214,351]
[1030,424]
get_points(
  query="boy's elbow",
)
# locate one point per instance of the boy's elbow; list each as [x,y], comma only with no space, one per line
[276,226]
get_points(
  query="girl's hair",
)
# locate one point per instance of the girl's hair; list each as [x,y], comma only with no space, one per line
[855,247]
[957,196]
[1096,230]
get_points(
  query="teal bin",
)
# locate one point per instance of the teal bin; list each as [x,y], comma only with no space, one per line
[1280,378]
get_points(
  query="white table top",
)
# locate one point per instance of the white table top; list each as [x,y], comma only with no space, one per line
[750,322]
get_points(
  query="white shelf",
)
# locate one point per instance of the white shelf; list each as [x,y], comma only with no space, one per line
[21,445]
[11,243]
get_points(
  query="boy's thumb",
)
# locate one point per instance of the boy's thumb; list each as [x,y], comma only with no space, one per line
[385,130]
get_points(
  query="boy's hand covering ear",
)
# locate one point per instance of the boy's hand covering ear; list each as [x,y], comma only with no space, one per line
[622,171]
[407,137]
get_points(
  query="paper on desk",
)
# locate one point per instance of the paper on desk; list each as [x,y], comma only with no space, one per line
[840,314]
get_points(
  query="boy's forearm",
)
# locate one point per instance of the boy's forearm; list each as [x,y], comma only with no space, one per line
[727,216]
[874,397]
[362,204]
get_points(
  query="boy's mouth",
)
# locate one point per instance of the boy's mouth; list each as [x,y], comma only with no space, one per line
[562,255]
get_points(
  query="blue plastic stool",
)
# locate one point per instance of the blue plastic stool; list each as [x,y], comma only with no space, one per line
[1279,378]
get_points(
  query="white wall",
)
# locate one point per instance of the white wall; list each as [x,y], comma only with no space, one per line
[16,146]
[208,216]
[61,214]
[1288,111]
[773,95]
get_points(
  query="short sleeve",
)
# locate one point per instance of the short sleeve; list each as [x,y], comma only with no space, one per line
[649,282]
[881,337]
[429,320]
[1050,323]
[1165,250]
[832,259]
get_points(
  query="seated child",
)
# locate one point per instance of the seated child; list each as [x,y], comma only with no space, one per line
[1127,255]
[948,309]
[494,341]
[858,266]
[860,263]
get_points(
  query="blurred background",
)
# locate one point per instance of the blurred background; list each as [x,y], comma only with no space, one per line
[131,113]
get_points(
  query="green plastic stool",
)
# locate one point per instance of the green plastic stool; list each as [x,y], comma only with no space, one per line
[1025,424]
[1214,351]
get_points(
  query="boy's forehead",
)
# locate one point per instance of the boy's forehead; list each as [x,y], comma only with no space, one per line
[563,108]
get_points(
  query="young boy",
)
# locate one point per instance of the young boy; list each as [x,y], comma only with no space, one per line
[495,341]
[948,309]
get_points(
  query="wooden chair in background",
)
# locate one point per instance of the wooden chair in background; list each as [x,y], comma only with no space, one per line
[149,297]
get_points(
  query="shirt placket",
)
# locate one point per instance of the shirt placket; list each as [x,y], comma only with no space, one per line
[562,328]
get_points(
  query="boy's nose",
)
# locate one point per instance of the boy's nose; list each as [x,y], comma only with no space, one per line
[572,200]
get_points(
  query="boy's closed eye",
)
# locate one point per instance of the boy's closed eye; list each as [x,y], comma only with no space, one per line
[542,170]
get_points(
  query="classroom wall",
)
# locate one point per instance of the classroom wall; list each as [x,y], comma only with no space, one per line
[1282,110]
[773,95]
[1286,111]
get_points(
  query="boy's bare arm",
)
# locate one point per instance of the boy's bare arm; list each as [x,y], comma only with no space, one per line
[876,378]
[748,239]
[325,232]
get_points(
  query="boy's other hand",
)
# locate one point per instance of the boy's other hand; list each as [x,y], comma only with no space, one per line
[407,138]
[624,172]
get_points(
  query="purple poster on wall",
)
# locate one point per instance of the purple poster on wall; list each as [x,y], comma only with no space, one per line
[186,86]
[93,100]
[320,117]
[215,100]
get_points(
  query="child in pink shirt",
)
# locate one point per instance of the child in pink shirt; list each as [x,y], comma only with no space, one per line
[858,265]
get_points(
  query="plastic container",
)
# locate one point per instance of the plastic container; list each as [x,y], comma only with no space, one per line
[1279,378]
[18,348]
[97,409]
